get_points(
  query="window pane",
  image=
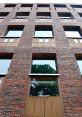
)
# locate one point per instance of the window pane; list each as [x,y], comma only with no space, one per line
[44,88]
[14,33]
[43,34]
[44,66]
[72,34]
[80,65]
[66,17]
[4,65]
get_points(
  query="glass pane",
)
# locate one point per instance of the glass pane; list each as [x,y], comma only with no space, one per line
[14,33]
[44,88]
[43,34]
[44,66]
[80,65]
[72,34]
[66,17]
[4,65]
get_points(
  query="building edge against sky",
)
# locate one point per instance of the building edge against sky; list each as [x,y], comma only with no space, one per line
[40,60]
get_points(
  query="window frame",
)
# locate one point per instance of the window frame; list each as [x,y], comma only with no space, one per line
[73,28]
[43,28]
[41,56]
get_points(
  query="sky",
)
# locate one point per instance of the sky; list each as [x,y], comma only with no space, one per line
[42,1]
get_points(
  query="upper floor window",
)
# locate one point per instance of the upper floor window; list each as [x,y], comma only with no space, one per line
[5,61]
[76,6]
[26,5]
[79,62]
[10,5]
[3,15]
[14,31]
[44,15]
[80,14]
[43,31]
[73,31]
[22,15]
[43,5]
[65,15]
[60,5]
[44,64]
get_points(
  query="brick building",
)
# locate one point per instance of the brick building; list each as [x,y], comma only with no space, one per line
[40,60]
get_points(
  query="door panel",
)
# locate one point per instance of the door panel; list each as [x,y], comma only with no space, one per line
[43,107]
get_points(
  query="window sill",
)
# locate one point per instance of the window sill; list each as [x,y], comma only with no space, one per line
[32,74]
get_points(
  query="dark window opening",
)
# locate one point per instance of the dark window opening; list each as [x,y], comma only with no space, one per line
[3,15]
[76,6]
[44,15]
[10,5]
[44,87]
[22,15]
[80,14]
[60,5]
[26,5]
[73,31]
[43,31]
[64,15]
[43,5]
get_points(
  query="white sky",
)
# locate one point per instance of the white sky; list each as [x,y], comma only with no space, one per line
[41,1]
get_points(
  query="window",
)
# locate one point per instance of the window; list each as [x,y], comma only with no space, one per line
[72,31]
[3,15]
[44,15]
[64,15]
[76,6]
[10,5]
[80,14]
[4,65]
[79,62]
[44,87]
[5,60]
[43,5]
[43,31]
[22,15]
[44,64]
[26,5]
[60,5]
[14,31]
[1,78]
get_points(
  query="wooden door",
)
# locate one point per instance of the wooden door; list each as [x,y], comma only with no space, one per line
[44,106]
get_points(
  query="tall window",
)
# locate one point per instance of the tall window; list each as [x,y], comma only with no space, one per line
[43,65]
[43,31]
[73,32]
[15,31]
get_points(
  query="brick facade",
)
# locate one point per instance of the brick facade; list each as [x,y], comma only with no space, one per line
[15,85]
